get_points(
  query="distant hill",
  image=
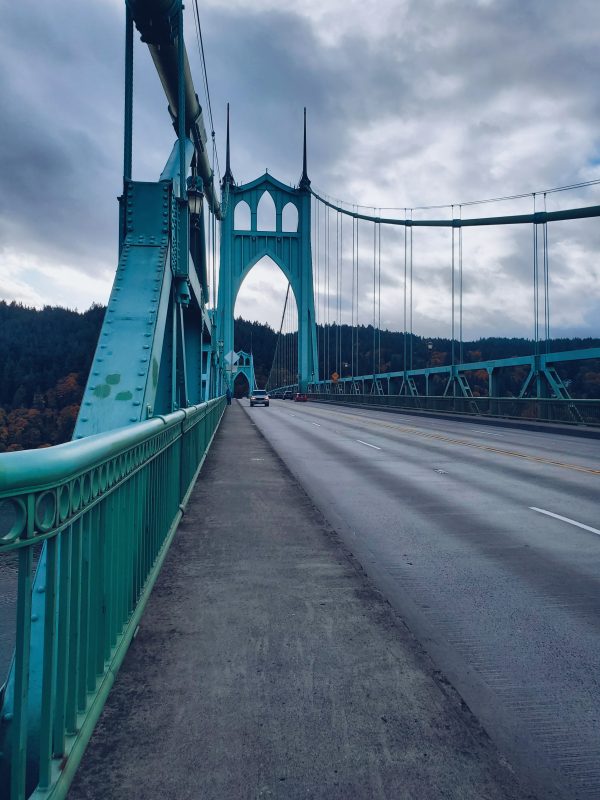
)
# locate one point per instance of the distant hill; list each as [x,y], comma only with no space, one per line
[45,357]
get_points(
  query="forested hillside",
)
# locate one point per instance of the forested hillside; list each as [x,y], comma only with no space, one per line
[45,357]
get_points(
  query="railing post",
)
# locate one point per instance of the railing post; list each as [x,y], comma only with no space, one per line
[49,665]
[22,648]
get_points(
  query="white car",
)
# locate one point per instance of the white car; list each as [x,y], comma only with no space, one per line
[259,397]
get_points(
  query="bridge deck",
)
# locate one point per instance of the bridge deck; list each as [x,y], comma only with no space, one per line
[267,666]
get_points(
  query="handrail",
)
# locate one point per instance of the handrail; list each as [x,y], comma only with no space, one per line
[106,508]
[31,470]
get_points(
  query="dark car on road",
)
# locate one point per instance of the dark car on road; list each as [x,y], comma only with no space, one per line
[259,397]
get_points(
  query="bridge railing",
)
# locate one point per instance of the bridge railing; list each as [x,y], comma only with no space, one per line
[106,508]
[572,411]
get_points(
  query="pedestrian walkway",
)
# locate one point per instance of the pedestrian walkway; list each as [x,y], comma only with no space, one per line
[267,666]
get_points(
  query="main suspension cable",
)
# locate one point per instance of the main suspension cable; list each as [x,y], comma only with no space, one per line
[567,188]
[200,43]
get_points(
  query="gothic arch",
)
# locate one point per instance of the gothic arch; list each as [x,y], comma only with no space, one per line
[242,217]
[289,218]
[266,214]
[267,257]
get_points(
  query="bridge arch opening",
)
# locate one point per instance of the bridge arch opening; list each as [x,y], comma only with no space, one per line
[265,213]
[289,218]
[265,287]
[241,216]
[241,387]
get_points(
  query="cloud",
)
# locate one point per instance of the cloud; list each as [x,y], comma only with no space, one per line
[409,104]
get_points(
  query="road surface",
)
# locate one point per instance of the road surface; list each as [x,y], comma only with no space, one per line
[487,540]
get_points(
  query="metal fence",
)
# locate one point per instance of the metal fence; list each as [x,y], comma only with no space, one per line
[106,508]
[574,412]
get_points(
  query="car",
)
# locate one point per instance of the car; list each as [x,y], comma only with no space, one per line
[300,397]
[259,397]
[287,395]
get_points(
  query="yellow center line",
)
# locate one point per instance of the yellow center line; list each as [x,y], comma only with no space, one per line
[465,443]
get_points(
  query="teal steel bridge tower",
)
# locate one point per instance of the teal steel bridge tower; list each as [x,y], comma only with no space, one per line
[242,248]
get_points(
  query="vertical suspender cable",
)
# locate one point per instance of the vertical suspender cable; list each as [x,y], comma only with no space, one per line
[214,234]
[340,268]
[546,284]
[315,273]
[410,240]
[216,231]
[276,358]
[324,294]
[327,286]
[460,289]
[453,302]
[404,337]
[357,275]
[317,309]
[379,302]
[535,286]
[352,308]
[324,283]
[374,296]
[341,289]
[337,294]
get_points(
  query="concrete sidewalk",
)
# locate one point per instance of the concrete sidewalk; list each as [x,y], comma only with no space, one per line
[267,666]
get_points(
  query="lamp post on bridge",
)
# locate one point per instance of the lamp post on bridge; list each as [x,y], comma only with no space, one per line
[195,196]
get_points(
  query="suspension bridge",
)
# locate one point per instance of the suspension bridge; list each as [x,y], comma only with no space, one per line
[474,513]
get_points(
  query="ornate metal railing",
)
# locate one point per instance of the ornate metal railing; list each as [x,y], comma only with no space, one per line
[106,508]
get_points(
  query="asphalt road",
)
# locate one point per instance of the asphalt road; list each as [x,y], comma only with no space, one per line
[487,540]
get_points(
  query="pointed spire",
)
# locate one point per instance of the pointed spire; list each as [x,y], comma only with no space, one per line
[304,180]
[228,177]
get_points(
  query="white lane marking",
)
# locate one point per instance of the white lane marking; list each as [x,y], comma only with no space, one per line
[489,433]
[374,446]
[316,423]
[566,519]
[292,415]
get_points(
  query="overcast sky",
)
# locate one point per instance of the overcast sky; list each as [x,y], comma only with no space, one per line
[410,103]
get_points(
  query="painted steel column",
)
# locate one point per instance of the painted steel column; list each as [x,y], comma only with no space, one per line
[181,101]
[128,125]
[225,301]
[128,116]
[308,367]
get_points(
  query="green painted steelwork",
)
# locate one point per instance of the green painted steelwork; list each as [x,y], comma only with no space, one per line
[242,248]
[156,353]
[106,507]
[241,364]
[542,380]
[159,23]
[542,365]
[528,409]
